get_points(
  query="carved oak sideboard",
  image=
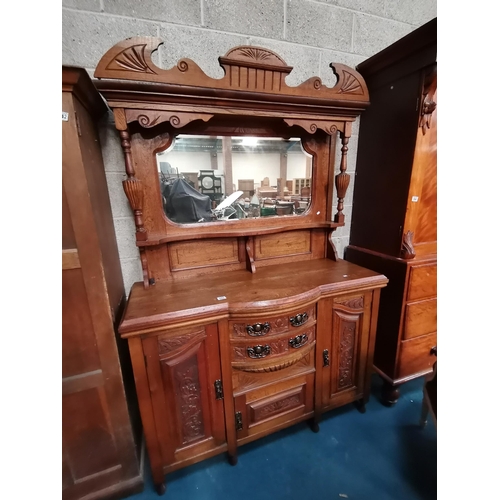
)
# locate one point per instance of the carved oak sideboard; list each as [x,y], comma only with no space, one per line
[246,320]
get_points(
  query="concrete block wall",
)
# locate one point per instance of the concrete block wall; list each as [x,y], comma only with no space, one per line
[308,34]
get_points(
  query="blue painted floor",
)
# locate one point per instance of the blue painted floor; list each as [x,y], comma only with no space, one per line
[380,455]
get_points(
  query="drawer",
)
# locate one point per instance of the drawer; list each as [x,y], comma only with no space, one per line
[420,318]
[423,282]
[415,355]
[266,355]
[272,324]
[263,409]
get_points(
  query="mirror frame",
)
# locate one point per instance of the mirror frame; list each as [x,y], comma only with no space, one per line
[151,105]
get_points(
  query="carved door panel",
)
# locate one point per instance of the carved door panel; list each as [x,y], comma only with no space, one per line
[342,347]
[184,376]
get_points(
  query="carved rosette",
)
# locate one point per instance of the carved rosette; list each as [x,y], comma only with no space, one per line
[407,250]
[134,190]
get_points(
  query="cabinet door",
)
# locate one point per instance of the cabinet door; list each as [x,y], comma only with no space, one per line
[184,374]
[343,341]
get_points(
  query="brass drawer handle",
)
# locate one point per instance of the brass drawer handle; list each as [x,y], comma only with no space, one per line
[299,319]
[258,329]
[298,341]
[259,351]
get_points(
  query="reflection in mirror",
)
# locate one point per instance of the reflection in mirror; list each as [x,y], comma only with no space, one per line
[211,178]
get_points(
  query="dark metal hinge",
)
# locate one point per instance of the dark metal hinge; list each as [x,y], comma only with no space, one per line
[79,130]
[219,392]
[239,421]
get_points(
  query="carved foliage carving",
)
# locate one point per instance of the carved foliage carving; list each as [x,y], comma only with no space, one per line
[188,395]
[247,380]
[352,303]
[407,250]
[277,346]
[277,325]
[428,104]
[148,119]
[169,344]
[279,406]
[311,126]
[346,353]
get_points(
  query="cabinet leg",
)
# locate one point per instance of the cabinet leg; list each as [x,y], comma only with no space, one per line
[314,424]
[390,394]
[232,459]
[360,405]
[160,488]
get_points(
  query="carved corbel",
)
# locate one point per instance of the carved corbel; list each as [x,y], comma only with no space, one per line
[407,250]
[145,267]
[249,255]
[428,104]
[331,251]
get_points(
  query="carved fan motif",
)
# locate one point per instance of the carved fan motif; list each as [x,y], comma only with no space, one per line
[131,59]
[350,84]
[257,54]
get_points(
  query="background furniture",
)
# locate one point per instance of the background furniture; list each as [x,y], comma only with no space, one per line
[429,399]
[393,229]
[100,457]
[239,328]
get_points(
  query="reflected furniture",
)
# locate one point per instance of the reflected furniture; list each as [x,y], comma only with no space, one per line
[243,327]
[393,229]
[100,419]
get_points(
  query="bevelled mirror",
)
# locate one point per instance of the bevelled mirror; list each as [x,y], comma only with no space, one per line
[220,178]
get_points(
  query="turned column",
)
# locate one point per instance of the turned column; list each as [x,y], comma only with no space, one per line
[342,179]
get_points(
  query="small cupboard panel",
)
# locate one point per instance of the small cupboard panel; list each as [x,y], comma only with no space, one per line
[184,373]
[343,346]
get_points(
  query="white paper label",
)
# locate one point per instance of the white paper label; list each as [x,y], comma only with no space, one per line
[65,116]
[414,198]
